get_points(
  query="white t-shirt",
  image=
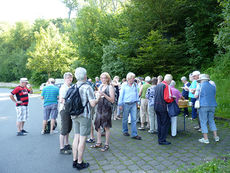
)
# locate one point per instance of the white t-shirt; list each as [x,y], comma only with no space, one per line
[62,92]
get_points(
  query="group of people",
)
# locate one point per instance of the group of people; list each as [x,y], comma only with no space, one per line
[107,99]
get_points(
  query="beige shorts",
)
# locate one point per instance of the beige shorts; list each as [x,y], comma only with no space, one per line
[81,125]
[22,113]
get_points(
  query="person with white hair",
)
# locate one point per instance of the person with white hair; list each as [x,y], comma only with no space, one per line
[82,122]
[185,93]
[208,104]
[50,95]
[66,122]
[163,96]
[144,104]
[128,102]
[192,90]
[150,95]
[22,101]
[176,95]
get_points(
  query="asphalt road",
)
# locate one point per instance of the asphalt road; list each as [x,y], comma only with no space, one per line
[34,153]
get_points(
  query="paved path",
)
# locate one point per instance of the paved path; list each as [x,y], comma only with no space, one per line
[40,153]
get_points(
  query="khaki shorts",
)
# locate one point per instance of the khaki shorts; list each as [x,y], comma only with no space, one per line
[22,113]
[81,125]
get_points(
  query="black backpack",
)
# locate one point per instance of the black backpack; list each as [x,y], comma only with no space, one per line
[73,105]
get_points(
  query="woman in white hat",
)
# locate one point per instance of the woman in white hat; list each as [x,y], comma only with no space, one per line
[208,104]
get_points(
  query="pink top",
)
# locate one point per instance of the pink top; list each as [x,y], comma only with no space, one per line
[176,93]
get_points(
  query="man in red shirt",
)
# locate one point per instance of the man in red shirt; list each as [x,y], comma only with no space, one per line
[21,93]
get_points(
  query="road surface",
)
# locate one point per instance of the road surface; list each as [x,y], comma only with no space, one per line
[34,153]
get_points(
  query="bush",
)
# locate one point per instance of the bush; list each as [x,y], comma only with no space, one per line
[220,165]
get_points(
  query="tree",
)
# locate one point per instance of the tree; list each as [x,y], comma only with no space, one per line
[93,30]
[51,53]
[14,43]
[201,27]
[71,5]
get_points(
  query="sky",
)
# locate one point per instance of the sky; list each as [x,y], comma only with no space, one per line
[28,10]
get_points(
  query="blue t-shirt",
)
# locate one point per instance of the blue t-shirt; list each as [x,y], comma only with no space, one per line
[50,94]
[192,86]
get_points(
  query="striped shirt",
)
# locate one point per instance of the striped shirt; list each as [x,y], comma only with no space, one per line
[22,95]
[50,94]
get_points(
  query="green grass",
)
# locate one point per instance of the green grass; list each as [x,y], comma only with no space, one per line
[220,165]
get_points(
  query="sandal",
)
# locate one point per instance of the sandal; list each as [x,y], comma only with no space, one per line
[97,145]
[105,148]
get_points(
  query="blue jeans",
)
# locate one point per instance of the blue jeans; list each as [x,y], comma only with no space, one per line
[194,111]
[132,109]
[206,115]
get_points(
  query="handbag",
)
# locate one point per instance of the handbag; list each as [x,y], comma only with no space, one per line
[173,109]
[197,104]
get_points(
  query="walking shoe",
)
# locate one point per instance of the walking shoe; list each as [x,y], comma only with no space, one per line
[82,165]
[192,119]
[90,140]
[199,130]
[141,128]
[136,137]
[126,134]
[75,164]
[217,138]
[205,141]
[150,131]
[164,143]
[53,132]
[197,127]
[42,132]
[65,151]
[24,131]
[68,147]
[21,134]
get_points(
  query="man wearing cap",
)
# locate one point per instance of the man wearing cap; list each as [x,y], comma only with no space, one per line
[50,95]
[21,93]
[192,90]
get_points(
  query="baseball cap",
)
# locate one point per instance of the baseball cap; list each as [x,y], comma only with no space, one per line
[23,79]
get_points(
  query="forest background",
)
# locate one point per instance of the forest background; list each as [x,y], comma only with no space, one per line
[147,37]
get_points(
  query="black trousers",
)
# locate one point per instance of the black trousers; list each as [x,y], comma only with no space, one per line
[163,122]
[66,123]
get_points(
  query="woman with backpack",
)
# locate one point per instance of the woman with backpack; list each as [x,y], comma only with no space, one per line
[104,111]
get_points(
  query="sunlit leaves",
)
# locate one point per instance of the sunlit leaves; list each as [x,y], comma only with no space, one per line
[52,51]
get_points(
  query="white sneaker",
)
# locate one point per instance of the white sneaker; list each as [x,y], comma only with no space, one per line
[205,141]
[54,132]
[42,132]
[217,138]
